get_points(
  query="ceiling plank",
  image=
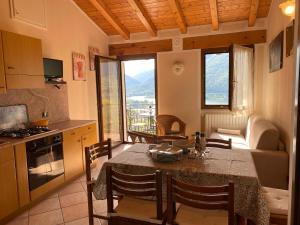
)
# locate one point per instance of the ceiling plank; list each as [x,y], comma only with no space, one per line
[214,14]
[178,13]
[224,40]
[106,13]
[253,13]
[143,16]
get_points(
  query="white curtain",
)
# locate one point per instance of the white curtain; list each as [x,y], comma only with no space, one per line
[243,76]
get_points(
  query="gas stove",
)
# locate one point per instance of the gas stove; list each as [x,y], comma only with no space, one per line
[23,132]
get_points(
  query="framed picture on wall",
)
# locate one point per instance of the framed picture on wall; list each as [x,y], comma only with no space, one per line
[276,53]
[79,72]
[289,40]
[92,52]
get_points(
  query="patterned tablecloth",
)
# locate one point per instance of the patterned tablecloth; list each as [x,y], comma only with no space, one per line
[218,168]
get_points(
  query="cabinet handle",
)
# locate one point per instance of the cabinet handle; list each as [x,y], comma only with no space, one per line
[78,141]
[84,139]
[73,133]
[10,67]
[89,128]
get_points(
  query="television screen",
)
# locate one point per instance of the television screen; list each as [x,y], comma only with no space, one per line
[53,68]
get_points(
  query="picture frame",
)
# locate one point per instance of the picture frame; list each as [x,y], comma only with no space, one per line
[289,39]
[79,73]
[276,53]
[92,53]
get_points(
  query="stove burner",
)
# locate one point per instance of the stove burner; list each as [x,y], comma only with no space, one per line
[22,133]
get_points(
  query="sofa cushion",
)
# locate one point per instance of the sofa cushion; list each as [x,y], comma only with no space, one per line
[277,200]
[238,141]
[251,121]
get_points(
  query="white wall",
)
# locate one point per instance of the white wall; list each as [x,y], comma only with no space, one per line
[275,91]
[180,95]
[68,30]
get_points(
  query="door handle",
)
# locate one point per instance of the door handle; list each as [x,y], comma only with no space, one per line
[10,67]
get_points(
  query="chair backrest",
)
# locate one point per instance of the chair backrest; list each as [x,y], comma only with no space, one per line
[147,185]
[165,123]
[92,153]
[219,143]
[205,197]
[142,137]
[152,138]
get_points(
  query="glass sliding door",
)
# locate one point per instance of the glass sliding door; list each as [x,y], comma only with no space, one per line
[140,94]
[109,99]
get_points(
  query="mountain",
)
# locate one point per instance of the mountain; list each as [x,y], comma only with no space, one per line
[217,73]
[142,84]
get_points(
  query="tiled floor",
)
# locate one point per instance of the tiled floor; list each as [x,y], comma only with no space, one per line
[68,206]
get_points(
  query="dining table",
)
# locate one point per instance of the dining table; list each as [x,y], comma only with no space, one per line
[218,167]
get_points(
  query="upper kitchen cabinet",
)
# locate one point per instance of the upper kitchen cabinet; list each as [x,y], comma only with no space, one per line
[23,61]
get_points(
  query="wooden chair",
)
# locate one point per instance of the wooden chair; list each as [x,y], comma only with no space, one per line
[152,138]
[136,205]
[210,205]
[165,123]
[218,143]
[91,154]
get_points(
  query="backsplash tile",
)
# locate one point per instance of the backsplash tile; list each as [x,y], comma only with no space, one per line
[57,102]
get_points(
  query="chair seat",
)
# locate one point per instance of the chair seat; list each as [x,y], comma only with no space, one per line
[138,208]
[191,216]
[277,200]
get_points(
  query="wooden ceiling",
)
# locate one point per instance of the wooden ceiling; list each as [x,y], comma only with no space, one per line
[131,16]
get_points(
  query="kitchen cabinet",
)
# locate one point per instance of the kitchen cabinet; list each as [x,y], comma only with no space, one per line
[23,61]
[89,138]
[8,188]
[72,153]
[22,174]
[74,145]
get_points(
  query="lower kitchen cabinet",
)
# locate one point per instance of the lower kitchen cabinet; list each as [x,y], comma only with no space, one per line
[8,188]
[75,142]
[22,174]
[88,139]
[72,149]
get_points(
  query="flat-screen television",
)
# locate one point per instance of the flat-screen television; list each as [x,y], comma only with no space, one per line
[53,68]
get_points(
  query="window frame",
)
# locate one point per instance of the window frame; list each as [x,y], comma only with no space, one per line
[203,77]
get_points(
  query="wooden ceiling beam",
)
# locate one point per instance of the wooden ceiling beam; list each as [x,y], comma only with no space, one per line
[143,16]
[178,14]
[214,14]
[106,13]
[253,12]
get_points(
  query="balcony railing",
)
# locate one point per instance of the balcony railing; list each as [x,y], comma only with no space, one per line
[141,117]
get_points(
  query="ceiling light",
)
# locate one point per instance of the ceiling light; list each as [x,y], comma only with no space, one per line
[288,7]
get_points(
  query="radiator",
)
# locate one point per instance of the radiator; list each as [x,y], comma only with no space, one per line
[213,121]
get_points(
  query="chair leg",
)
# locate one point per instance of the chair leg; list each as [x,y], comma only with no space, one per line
[90,205]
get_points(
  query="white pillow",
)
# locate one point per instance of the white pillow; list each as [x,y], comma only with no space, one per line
[229,131]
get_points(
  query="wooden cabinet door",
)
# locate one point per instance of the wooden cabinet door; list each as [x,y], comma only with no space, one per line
[22,54]
[87,140]
[2,72]
[22,174]
[8,182]
[72,153]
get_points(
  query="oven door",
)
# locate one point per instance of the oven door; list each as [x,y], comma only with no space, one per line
[45,162]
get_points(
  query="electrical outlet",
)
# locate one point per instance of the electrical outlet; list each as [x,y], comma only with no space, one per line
[45,114]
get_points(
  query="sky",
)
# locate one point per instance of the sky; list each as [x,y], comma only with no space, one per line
[134,67]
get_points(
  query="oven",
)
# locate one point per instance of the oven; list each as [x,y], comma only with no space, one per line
[44,160]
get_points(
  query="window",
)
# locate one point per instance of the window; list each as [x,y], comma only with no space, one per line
[216,78]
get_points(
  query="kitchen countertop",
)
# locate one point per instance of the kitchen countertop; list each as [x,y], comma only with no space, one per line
[55,128]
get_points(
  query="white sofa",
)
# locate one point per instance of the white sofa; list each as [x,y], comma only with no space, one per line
[262,139]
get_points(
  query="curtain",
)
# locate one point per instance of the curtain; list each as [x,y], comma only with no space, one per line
[243,76]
